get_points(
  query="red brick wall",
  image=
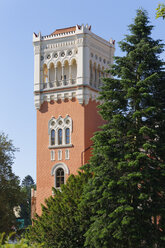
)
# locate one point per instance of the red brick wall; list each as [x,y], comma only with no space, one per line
[45,181]
[85,122]
[93,121]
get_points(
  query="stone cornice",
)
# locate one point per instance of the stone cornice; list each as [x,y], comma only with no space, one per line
[62,90]
[81,93]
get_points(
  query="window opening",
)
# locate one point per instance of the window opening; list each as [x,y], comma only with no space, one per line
[67,136]
[52,137]
[60,137]
[65,80]
[59,177]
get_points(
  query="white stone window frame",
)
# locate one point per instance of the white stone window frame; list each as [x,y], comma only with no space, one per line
[67,154]
[56,126]
[52,155]
[59,154]
[54,170]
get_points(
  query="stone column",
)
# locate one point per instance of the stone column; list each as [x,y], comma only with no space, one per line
[62,74]
[48,75]
[55,76]
[70,74]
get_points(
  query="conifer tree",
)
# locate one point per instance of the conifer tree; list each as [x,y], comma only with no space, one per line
[62,223]
[127,191]
[27,184]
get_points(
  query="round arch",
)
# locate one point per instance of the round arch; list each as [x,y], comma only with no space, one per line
[60,165]
[54,171]
[50,64]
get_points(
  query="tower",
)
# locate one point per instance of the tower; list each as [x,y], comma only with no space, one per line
[68,66]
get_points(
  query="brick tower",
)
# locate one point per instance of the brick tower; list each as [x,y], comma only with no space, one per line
[68,66]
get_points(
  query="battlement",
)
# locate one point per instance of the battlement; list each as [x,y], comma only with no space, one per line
[70,31]
[63,32]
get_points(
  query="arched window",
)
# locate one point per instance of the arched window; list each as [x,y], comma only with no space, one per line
[59,171]
[73,71]
[60,131]
[52,72]
[95,75]
[60,136]
[59,177]
[91,73]
[67,136]
[45,74]
[52,137]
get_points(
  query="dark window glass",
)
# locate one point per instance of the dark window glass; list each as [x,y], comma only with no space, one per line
[59,177]
[60,137]
[52,137]
[95,75]
[67,136]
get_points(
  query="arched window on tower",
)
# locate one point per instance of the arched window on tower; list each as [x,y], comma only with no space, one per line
[52,137]
[45,76]
[73,71]
[67,136]
[60,131]
[52,74]
[59,177]
[91,73]
[60,136]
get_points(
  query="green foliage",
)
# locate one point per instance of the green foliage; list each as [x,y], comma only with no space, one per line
[127,192]
[10,191]
[5,242]
[27,184]
[63,222]
[160,11]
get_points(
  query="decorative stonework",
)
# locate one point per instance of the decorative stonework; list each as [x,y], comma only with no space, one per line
[57,166]
[78,44]
[60,165]
[60,124]
[37,50]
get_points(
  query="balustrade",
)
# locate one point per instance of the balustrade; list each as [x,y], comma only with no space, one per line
[58,84]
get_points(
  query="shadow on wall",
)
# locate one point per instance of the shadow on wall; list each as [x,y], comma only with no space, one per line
[44,107]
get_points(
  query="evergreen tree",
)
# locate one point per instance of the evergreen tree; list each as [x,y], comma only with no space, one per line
[27,181]
[27,184]
[62,223]
[10,191]
[127,191]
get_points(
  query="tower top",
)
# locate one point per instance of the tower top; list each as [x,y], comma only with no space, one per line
[69,63]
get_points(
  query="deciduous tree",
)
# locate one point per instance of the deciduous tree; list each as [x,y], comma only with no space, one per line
[10,191]
[160,11]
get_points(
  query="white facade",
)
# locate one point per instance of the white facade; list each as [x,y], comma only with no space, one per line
[70,64]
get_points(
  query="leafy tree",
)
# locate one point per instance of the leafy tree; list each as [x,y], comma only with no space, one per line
[160,11]
[63,222]
[27,184]
[5,242]
[127,192]
[10,191]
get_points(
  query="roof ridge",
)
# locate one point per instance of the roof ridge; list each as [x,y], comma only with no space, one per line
[63,30]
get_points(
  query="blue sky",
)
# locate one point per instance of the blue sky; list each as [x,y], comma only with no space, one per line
[18,20]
